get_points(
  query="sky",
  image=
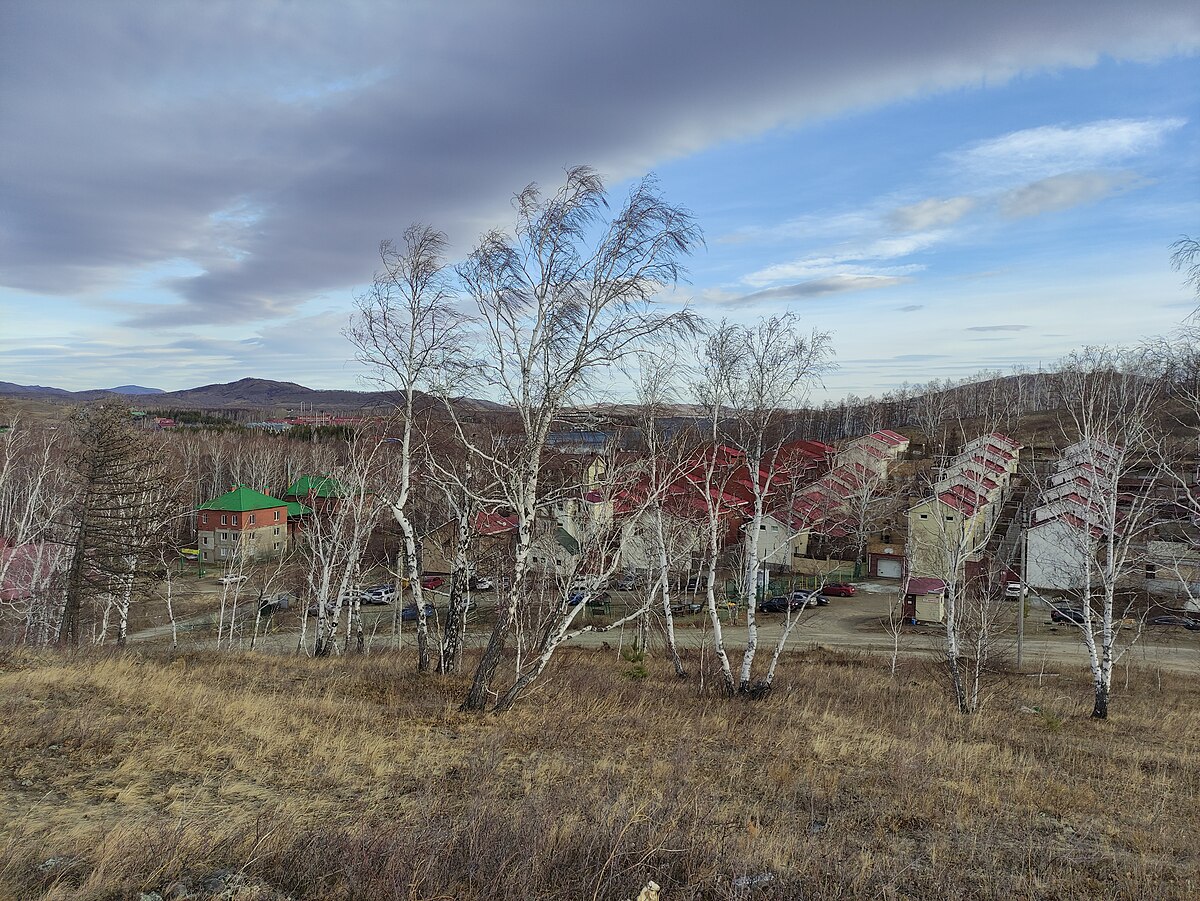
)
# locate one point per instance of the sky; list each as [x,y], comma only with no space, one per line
[195,192]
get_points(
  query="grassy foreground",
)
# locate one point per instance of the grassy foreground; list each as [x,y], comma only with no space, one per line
[354,778]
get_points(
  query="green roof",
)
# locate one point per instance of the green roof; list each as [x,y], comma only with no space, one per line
[295,508]
[315,486]
[566,540]
[241,500]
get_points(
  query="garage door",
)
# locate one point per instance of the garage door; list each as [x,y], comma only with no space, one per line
[891,569]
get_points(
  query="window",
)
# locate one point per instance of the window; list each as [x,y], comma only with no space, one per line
[205,540]
[224,552]
[204,519]
[763,527]
[277,530]
[887,537]
[224,536]
[253,536]
[223,522]
[235,519]
[276,545]
[277,516]
[924,516]
[949,519]
[251,519]
[1151,571]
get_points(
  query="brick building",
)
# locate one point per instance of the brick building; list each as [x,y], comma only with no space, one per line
[242,522]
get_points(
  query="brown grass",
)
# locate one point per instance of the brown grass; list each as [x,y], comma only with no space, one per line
[353,778]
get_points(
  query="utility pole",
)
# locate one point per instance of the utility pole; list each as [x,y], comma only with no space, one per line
[1023,515]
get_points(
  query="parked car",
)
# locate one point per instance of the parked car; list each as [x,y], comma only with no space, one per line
[231,580]
[839,590]
[429,583]
[380,594]
[588,583]
[276,603]
[627,582]
[1173,620]
[808,599]
[480,583]
[694,583]
[683,609]
[1066,615]
[577,597]
[409,613]
[778,604]
[1012,591]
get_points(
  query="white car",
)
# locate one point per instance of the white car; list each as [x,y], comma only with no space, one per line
[382,594]
[231,580]
[1012,591]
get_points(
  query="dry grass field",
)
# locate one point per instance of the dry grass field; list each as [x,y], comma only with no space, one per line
[242,776]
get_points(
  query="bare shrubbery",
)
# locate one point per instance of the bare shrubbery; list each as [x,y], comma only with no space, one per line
[368,783]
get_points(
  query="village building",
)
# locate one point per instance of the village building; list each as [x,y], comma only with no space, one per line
[949,531]
[243,524]
[1065,528]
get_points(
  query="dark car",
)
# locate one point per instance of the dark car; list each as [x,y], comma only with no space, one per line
[777,604]
[275,604]
[684,609]
[1066,615]
[1190,624]
[429,583]
[839,590]
[577,597]
[409,613]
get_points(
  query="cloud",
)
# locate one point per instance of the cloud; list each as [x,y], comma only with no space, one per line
[912,307]
[1035,153]
[819,287]
[997,328]
[325,128]
[835,262]
[931,213]
[1061,192]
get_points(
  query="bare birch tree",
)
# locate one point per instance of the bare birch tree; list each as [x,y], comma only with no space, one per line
[1112,398]
[562,300]
[408,330]
[35,494]
[768,369]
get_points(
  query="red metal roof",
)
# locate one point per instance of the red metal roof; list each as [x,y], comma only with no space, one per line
[494,523]
[895,439]
[923,585]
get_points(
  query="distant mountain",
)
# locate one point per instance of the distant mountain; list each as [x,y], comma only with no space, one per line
[244,394]
[266,393]
[32,390]
[131,389]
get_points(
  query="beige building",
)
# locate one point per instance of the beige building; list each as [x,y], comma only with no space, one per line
[948,532]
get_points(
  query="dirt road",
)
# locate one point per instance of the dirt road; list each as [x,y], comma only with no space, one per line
[858,623]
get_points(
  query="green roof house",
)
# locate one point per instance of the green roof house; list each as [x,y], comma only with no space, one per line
[242,499]
[324,487]
[242,524]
